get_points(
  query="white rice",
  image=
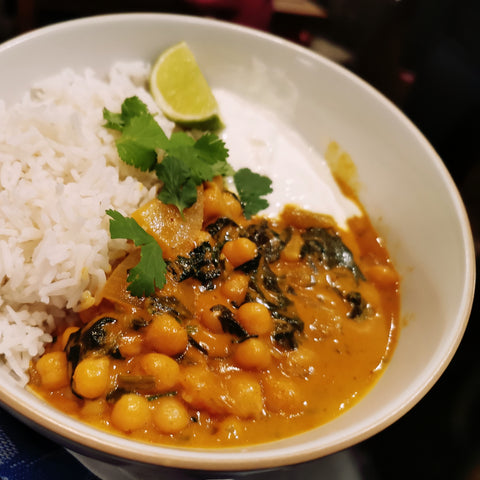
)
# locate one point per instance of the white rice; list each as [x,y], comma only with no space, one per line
[59,172]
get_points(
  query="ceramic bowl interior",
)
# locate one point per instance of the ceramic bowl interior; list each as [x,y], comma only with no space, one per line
[404,186]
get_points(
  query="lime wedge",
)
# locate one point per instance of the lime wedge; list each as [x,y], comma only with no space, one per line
[182,92]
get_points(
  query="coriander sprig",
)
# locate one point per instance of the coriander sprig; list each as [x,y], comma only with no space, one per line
[251,188]
[181,163]
[151,269]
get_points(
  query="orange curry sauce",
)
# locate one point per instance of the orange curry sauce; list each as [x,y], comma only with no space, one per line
[264,329]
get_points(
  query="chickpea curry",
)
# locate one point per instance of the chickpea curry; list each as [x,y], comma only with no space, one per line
[264,328]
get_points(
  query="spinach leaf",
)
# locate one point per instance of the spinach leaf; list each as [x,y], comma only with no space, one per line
[326,246]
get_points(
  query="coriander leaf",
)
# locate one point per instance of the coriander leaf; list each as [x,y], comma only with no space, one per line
[139,141]
[146,131]
[131,107]
[148,273]
[251,187]
[186,164]
[141,134]
[222,168]
[142,138]
[151,269]
[115,121]
[179,188]
[211,148]
[206,157]
[179,141]
[137,155]
[183,147]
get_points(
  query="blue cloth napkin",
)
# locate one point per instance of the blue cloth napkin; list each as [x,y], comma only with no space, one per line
[25,455]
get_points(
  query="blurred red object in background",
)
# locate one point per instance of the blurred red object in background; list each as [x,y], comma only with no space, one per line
[252,13]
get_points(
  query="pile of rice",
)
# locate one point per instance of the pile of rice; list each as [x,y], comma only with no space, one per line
[59,172]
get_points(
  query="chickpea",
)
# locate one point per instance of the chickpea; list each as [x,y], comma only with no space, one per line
[166,335]
[252,353]
[218,345]
[212,201]
[231,206]
[220,203]
[210,319]
[203,389]
[92,377]
[164,368]
[131,412]
[246,395]
[382,275]
[207,316]
[255,318]
[239,251]
[94,408]
[130,345]
[235,287]
[301,362]
[282,395]
[53,370]
[66,336]
[230,428]
[170,415]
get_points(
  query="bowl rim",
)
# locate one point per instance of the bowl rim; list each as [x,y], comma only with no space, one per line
[227,459]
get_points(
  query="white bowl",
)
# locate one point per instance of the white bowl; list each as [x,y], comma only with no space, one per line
[405,187]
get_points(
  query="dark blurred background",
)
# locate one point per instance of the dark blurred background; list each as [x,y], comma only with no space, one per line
[425,56]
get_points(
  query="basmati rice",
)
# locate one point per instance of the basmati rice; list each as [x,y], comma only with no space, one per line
[59,172]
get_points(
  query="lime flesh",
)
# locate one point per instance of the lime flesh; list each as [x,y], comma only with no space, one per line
[181,90]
